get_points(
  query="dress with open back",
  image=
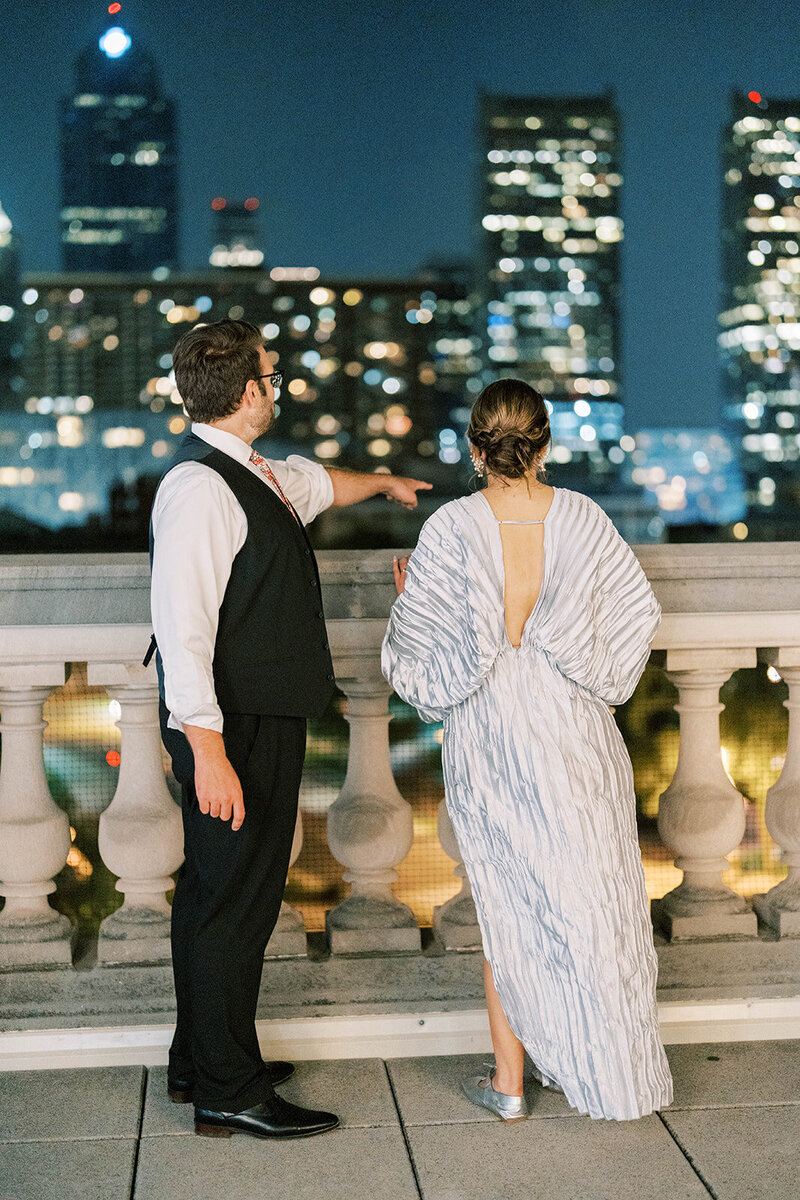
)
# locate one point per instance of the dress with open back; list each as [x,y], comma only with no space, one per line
[539,785]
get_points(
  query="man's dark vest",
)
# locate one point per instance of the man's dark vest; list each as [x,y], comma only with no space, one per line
[271,655]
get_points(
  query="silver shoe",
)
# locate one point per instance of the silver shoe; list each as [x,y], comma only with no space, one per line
[480,1091]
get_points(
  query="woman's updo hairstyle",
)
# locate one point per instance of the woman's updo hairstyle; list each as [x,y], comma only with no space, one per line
[510,426]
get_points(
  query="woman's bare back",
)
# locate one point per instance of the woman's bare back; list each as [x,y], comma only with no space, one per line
[521,524]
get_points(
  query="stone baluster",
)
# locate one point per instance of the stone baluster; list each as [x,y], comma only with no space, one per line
[701,814]
[455,922]
[370,825]
[34,831]
[289,935]
[779,908]
[141,832]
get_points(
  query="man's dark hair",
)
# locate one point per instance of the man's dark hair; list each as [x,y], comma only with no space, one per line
[212,365]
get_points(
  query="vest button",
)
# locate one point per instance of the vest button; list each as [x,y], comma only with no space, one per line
[331,678]
[313,582]
[308,552]
[319,616]
[325,646]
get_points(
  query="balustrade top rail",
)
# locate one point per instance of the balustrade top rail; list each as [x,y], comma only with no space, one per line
[92,589]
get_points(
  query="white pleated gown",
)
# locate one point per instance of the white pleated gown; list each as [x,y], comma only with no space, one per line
[539,785]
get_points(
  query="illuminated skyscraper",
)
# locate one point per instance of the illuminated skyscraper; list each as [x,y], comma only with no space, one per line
[236,234]
[10,330]
[118,163]
[549,264]
[760,322]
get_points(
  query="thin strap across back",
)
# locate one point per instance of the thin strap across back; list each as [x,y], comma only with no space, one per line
[499,522]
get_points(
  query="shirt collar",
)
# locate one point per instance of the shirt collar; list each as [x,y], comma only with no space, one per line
[220,439]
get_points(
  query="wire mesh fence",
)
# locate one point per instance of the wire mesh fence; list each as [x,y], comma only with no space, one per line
[82,757]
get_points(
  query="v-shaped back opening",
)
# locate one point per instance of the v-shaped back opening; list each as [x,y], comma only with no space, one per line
[536,540]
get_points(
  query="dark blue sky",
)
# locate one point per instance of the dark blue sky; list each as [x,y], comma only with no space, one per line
[355,124]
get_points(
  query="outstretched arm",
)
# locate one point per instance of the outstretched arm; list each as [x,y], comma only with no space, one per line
[349,487]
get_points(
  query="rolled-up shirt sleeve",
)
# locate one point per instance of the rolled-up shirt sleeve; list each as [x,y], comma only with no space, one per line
[307,485]
[198,528]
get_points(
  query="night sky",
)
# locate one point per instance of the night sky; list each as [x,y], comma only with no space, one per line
[355,125]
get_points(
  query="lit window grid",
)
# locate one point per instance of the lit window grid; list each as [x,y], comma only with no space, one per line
[140,315]
[759,342]
[506,230]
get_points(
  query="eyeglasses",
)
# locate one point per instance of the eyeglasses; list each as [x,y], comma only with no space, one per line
[276,378]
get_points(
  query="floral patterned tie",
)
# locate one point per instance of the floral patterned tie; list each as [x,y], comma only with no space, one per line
[269,474]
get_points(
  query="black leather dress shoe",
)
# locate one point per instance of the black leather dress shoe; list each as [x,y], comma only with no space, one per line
[273,1118]
[181,1091]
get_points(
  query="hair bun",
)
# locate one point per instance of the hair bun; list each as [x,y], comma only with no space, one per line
[509,424]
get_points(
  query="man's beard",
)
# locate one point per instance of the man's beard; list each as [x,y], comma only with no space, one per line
[267,417]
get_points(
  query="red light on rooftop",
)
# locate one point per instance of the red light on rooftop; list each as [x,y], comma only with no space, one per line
[754,96]
[251,204]
[218,203]
[113,758]
[114,8]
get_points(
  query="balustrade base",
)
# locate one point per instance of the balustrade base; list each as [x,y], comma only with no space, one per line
[36,942]
[703,926]
[785,922]
[289,935]
[455,925]
[134,935]
[374,941]
[372,925]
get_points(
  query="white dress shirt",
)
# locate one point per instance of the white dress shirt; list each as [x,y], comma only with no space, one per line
[199,527]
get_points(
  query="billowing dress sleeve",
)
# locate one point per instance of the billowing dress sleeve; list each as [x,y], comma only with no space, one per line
[604,643]
[439,645]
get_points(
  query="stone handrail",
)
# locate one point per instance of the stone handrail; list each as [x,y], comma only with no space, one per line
[724,606]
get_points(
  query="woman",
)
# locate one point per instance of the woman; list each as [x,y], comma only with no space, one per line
[523,615]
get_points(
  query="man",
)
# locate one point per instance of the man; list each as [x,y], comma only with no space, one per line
[243,660]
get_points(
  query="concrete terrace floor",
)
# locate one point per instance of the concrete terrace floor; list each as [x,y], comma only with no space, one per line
[733,1133]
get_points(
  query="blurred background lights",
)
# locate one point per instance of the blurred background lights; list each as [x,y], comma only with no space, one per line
[70,501]
[115,42]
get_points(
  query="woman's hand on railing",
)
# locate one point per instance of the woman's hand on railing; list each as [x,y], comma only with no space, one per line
[399,566]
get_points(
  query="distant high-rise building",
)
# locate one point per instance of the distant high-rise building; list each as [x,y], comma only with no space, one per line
[760,318]
[692,474]
[361,385]
[236,234]
[10,328]
[119,179]
[549,264]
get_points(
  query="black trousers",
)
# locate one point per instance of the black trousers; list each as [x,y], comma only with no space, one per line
[227,901]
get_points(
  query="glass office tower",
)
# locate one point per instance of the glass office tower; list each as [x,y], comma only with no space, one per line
[759,340]
[549,263]
[236,234]
[10,331]
[118,163]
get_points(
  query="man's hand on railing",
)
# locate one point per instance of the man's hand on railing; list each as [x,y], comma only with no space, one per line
[219,792]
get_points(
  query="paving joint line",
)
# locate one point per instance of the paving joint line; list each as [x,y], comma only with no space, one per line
[687,1156]
[409,1151]
[142,1102]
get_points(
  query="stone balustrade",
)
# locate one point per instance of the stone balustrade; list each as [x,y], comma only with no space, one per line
[725,607]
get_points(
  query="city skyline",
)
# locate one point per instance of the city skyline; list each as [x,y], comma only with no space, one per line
[381,195]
